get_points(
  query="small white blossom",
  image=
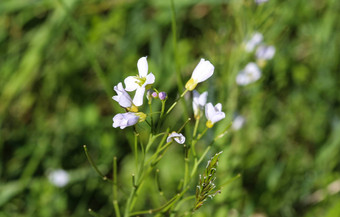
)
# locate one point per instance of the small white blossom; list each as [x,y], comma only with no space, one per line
[264,52]
[123,98]
[260,1]
[213,114]
[250,74]
[178,137]
[202,72]
[59,178]
[253,42]
[238,122]
[123,120]
[198,103]
[139,82]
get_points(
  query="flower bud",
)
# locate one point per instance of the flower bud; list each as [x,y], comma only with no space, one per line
[154,95]
[162,95]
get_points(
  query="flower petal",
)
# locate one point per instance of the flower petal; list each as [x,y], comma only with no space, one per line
[209,111]
[150,79]
[218,107]
[138,98]
[202,100]
[203,71]
[142,66]
[131,83]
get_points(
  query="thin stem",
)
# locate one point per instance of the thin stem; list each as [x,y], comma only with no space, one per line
[196,126]
[185,123]
[94,165]
[199,161]
[158,182]
[93,213]
[128,202]
[136,150]
[175,103]
[150,108]
[186,167]
[115,192]
[152,211]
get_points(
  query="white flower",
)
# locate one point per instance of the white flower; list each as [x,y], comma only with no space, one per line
[202,72]
[59,178]
[213,114]
[139,82]
[253,42]
[260,1]
[198,103]
[123,120]
[178,137]
[123,98]
[238,122]
[264,52]
[251,73]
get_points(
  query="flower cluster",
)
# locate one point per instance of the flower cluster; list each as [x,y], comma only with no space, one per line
[142,83]
[141,86]
[212,113]
[252,72]
[138,83]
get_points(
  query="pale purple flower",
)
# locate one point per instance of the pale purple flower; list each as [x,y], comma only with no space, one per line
[213,114]
[59,177]
[253,42]
[264,52]
[123,98]
[238,122]
[249,74]
[123,120]
[198,103]
[260,1]
[178,137]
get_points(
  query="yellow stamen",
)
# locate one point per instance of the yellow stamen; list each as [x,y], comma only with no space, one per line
[133,108]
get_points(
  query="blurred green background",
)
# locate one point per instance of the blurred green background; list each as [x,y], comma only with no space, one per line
[59,61]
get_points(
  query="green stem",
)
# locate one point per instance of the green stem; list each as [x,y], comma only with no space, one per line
[186,167]
[152,211]
[175,103]
[150,108]
[94,165]
[115,191]
[136,150]
[195,128]
[93,213]
[194,169]
[185,123]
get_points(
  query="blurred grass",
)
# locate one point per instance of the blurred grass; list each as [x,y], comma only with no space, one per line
[59,61]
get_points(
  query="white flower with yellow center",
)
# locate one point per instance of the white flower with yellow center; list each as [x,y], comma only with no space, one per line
[178,137]
[202,72]
[198,103]
[213,114]
[140,82]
